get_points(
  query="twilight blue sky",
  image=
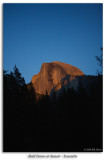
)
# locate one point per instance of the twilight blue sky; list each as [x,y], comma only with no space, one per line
[37,33]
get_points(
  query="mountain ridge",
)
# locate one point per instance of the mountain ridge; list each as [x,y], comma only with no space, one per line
[51,74]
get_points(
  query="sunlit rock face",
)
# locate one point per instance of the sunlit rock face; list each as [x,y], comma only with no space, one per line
[51,74]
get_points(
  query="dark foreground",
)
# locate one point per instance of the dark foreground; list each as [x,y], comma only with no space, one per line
[70,123]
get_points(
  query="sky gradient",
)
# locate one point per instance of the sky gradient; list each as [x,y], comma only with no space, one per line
[37,33]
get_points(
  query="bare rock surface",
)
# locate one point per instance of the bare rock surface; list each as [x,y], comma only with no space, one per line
[75,82]
[51,74]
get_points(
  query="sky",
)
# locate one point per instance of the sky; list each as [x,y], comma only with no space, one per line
[38,33]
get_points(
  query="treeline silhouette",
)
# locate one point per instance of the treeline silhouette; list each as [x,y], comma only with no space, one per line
[70,123]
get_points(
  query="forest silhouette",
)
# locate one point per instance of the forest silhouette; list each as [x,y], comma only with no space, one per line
[71,122]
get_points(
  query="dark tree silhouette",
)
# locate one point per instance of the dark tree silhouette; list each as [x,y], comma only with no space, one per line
[15,102]
[17,75]
[100,62]
[70,121]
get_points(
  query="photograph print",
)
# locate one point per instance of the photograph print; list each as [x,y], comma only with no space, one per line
[52,77]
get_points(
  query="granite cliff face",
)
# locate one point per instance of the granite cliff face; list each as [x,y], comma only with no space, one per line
[75,82]
[51,74]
